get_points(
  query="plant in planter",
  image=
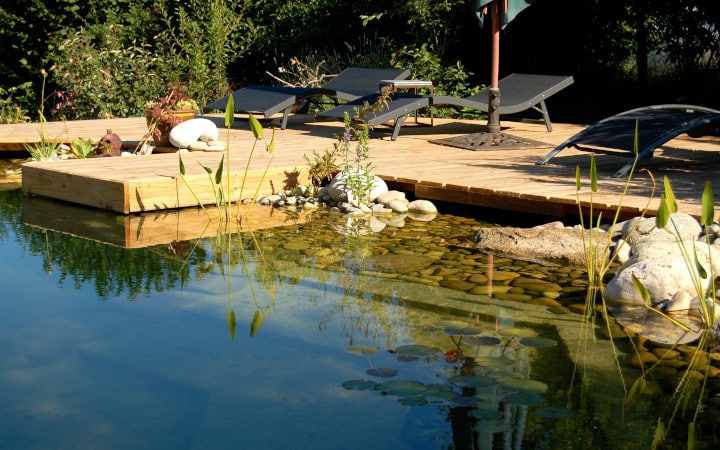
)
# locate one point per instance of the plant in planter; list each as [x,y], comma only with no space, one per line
[165,112]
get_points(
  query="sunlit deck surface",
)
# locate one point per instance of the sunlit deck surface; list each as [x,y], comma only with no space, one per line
[506,179]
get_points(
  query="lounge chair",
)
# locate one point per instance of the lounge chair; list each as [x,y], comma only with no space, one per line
[656,125]
[349,85]
[400,107]
[518,92]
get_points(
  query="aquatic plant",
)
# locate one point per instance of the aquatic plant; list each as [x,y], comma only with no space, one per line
[321,167]
[489,392]
[224,239]
[220,177]
[353,151]
[689,389]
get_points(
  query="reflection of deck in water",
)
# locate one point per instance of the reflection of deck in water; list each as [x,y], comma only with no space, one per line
[146,229]
[505,179]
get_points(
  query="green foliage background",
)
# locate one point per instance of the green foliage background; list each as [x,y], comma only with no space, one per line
[106,57]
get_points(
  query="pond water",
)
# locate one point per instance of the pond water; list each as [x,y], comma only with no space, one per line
[310,335]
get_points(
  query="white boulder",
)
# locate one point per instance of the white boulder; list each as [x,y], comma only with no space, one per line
[422,207]
[681,225]
[339,191]
[186,133]
[389,196]
[664,271]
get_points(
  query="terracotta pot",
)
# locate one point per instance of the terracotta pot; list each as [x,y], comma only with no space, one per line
[164,128]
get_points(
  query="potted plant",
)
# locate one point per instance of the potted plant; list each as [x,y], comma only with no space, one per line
[165,112]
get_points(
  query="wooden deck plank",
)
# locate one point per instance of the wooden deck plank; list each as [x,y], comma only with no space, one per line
[505,179]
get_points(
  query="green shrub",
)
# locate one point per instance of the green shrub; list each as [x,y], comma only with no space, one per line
[447,80]
[107,70]
[103,76]
[10,98]
[202,39]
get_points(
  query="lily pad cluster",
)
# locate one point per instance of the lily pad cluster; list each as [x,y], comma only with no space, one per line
[478,383]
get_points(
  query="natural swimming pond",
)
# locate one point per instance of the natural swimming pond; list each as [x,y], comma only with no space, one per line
[320,334]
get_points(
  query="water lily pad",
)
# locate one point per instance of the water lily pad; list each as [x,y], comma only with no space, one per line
[494,361]
[554,412]
[469,402]
[419,351]
[438,394]
[492,426]
[482,340]
[361,349]
[524,398]
[443,324]
[472,381]
[518,332]
[500,375]
[401,388]
[468,330]
[359,385]
[537,341]
[485,414]
[535,386]
[414,400]
[382,372]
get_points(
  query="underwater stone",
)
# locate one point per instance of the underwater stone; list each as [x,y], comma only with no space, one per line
[457,285]
[642,359]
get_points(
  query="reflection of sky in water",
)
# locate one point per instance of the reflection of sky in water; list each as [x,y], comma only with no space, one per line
[162,371]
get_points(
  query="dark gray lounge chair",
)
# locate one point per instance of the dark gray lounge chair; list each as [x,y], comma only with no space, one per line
[518,92]
[400,106]
[656,125]
[349,85]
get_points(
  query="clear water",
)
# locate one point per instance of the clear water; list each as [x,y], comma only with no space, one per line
[108,348]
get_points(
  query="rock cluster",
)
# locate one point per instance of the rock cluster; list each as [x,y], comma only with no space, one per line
[676,265]
[337,196]
[390,207]
[670,262]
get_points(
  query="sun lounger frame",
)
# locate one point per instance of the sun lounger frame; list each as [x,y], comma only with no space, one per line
[350,84]
[656,125]
[518,92]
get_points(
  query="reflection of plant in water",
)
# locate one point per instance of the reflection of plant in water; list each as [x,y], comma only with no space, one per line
[229,252]
[225,246]
[366,316]
[113,271]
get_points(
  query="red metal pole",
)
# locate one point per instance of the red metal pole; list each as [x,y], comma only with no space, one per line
[495,61]
[494,90]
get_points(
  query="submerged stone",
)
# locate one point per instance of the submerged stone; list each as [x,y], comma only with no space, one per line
[399,263]
[458,285]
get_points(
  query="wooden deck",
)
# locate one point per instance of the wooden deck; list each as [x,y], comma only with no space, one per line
[507,179]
